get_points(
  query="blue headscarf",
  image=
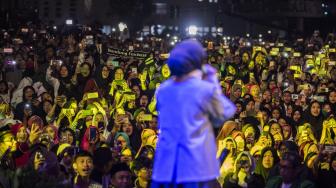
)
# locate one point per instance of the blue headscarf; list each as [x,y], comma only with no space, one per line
[186,57]
[125,136]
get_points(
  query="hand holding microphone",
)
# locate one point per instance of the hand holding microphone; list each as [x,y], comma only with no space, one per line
[209,74]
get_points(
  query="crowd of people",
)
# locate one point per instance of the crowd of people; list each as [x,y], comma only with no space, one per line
[78,108]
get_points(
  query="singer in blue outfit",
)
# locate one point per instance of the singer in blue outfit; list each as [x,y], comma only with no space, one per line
[190,104]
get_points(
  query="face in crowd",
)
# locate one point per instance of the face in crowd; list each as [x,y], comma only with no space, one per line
[83,166]
[121,179]
[268,160]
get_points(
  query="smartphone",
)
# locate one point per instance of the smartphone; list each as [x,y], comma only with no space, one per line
[27,106]
[210,45]
[319,98]
[295,96]
[325,90]
[92,95]
[17,41]
[115,63]
[55,63]
[330,148]
[11,62]
[297,54]
[101,125]
[89,40]
[147,117]
[117,147]
[8,50]
[24,30]
[92,134]
[134,70]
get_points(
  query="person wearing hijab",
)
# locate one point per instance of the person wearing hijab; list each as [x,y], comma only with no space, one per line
[297,118]
[243,175]
[25,109]
[21,155]
[314,117]
[81,79]
[198,96]
[268,159]
[332,99]
[236,92]
[103,78]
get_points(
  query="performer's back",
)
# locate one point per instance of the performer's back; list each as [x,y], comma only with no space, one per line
[186,150]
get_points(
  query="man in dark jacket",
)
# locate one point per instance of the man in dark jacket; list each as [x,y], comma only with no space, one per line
[290,169]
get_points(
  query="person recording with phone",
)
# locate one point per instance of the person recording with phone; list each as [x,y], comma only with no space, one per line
[192,103]
[29,105]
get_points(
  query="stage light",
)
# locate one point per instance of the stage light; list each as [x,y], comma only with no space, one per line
[192,30]
[247,35]
[69,22]
[260,35]
[168,35]
[113,29]
[122,26]
[269,31]
[55,27]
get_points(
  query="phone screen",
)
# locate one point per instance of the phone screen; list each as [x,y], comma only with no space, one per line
[93,134]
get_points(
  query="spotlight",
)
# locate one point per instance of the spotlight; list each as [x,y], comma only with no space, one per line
[192,30]
[69,22]
[122,26]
